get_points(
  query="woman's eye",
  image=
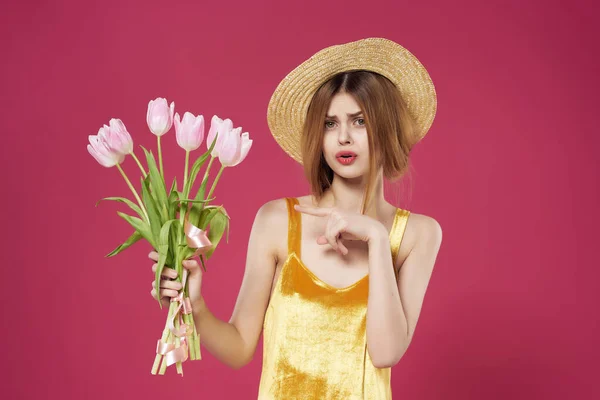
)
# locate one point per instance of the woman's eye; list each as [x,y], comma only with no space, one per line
[327,123]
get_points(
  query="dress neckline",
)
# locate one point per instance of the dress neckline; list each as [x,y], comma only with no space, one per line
[326,285]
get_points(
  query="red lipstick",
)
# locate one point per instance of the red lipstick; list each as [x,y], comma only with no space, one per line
[345,157]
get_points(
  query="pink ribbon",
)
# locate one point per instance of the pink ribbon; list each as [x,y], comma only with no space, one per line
[171,353]
[196,239]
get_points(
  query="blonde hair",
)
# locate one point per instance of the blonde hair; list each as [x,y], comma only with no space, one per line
[390,129]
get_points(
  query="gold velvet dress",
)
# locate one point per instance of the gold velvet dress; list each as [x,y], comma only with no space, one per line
[314,334]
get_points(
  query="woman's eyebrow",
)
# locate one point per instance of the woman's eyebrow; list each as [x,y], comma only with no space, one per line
[356,114]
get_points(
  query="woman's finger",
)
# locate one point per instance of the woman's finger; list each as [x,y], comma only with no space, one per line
[343,249]
[166,284]
[339,247]
[168,293]
[193,266]
[164,300]
[332,240]
[333,235]
[166,272]
[340,229]
[338,242]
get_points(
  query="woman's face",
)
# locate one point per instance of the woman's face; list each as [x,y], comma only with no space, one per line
[346,134]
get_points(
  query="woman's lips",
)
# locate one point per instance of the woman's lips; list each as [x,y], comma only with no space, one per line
[345,153]
[347,160]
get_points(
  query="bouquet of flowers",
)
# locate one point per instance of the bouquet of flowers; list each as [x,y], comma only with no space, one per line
[176,225]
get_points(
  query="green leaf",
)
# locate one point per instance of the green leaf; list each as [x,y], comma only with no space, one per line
[153,215]
[188,252]
[174,184]
[195,213]
[173,198]
[164,210]
[130,203]
[174,237]
[218,224]
[207,214]
[136,236]
[192,200]
[140,226]
[163,250]
[197,165]
[157,184]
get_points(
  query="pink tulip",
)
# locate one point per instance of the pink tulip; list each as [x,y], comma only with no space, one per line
[117,137]
[220,126]
[230,147]
[102,151]
[246,144]
[160,116]
[190,131]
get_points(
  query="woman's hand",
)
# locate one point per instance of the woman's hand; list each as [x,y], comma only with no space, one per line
[343,225]
[170,288]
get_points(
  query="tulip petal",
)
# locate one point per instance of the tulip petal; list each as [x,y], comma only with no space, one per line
[230,147]
[117,137]
[215,126]
[190,131]
[246,145]
[102,153]
[160,116]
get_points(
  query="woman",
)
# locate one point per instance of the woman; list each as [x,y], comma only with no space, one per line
[318,265]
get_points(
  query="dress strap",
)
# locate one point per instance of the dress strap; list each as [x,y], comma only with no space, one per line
[398,228]
[294,227]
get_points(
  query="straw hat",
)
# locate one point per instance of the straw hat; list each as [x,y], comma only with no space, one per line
[289,104]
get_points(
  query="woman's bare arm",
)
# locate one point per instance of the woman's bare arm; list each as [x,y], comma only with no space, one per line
[234,342]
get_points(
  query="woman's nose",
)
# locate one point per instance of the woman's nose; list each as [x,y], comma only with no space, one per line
[344,135]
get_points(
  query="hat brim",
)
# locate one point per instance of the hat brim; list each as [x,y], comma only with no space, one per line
[289,103]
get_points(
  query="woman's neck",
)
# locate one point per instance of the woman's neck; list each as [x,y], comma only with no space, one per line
[349,195]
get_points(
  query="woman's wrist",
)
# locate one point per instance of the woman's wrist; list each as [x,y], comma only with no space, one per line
[377,233]
[199,307]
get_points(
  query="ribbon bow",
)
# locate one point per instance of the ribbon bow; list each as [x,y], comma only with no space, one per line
[196,239]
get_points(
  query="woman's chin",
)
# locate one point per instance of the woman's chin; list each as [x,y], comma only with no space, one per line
[349,172]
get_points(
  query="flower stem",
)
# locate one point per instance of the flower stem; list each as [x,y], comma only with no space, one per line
[205,178]
[134,192]
[162,173]
[139,164]
[208,168]
[212,188]
[184,207]
[194,340]
[178,364]
[163,364]
[165,336]
[185,171]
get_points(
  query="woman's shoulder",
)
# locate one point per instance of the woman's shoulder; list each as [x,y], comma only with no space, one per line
[421,227]
[277,208]
[273,215]
[423,224]
[273,209]
[271,223]
[418,228]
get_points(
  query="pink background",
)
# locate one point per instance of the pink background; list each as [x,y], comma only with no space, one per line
[509,169]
